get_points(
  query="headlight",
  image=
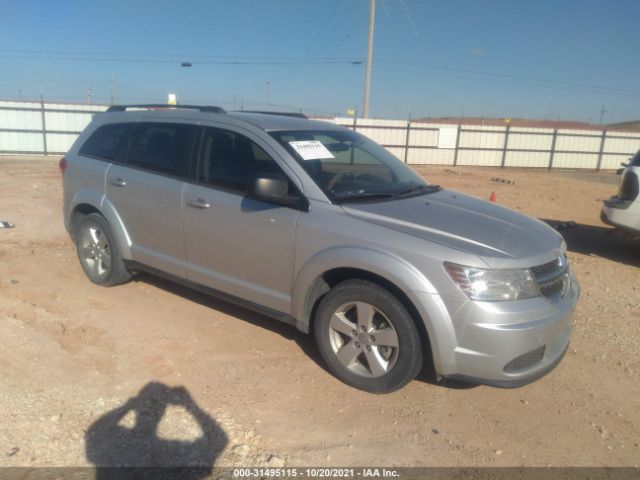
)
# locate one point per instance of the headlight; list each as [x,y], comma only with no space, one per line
[493,285]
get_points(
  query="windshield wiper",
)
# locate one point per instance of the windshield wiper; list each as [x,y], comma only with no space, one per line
[363,196]
[374,195]
[418,188]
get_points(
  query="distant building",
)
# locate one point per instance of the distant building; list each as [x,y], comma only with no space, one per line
[530,123]
[633,126]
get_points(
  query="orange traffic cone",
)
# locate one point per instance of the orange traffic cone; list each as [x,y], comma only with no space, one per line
[492,198]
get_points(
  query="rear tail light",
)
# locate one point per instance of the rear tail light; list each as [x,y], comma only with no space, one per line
[629,188]
[63,165]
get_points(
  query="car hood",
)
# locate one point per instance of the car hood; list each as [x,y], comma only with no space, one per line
[498,235]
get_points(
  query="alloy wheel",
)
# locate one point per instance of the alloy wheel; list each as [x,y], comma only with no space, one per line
[363,339]
[95,251]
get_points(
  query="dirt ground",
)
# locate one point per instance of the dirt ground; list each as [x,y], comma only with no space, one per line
[216,383]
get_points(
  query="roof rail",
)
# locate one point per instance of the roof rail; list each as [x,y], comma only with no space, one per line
[202,108]
[282,114]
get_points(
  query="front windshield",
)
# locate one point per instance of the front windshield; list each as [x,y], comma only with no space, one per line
[348,166]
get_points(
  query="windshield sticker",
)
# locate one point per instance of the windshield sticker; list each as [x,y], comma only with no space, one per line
[311,149]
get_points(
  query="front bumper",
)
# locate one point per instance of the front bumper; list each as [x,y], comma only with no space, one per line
[505,344]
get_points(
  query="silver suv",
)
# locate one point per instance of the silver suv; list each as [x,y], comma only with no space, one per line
[320,227]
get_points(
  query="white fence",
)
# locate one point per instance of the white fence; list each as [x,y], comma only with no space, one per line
[491,146]
[42,128]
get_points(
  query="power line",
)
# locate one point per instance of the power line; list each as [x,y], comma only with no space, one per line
[345,20]
[267,60]
[323,28]
[195,62]
[512,82]
[413,25]
[163,56]
[508,75]
[104,100]
[384,7]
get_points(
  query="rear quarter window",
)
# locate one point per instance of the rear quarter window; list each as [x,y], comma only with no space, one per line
[106,142]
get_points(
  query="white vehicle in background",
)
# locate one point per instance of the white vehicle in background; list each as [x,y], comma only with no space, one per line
[623,210]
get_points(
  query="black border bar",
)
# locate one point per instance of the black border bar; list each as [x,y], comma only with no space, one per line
[347,473]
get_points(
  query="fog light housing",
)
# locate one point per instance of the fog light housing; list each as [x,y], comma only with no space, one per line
[525,361]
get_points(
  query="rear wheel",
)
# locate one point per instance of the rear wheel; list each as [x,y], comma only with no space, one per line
[98,252]
[367,337]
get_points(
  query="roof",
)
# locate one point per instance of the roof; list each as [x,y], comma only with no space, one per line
[269,121]
[272,122]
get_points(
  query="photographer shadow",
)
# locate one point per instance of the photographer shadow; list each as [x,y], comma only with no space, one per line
[124,442]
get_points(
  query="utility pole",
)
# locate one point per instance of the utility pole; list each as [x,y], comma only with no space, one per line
[268,90]
[602,112]
[367,70]
[113,89]
[88,94]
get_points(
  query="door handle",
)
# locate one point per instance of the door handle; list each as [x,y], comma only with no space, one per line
[198,203]
[118,182]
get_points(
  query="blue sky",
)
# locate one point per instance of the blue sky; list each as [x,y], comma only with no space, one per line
[558,59]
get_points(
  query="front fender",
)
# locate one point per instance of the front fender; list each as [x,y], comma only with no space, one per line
[394,269]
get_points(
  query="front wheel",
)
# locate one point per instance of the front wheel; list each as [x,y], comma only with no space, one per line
[367,337]
[98,252]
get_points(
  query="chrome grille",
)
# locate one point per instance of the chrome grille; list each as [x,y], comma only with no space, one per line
[553,278]
[549,269]
[553,289]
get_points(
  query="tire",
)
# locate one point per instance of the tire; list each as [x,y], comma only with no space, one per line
[98,252]
[367,338]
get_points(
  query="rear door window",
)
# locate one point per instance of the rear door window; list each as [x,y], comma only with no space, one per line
[162,147]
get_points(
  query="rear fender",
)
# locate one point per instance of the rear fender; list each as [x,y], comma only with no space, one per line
[100,202]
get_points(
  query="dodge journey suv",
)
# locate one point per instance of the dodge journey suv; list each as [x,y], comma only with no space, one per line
[317,226]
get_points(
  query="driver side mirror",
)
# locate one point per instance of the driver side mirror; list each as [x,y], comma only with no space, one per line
[272,188]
